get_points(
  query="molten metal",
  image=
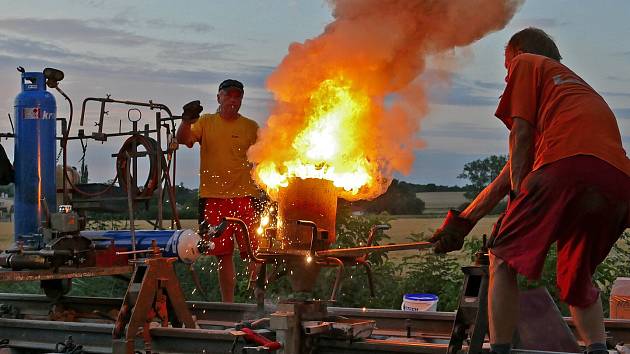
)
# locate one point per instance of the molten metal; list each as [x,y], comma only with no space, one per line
[312,200]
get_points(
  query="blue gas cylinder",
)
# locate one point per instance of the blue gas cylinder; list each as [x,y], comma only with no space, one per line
[34,154]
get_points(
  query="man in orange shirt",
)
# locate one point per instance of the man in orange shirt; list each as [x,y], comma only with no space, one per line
[226,187]
[568,180]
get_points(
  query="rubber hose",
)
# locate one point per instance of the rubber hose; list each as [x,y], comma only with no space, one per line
[122,164]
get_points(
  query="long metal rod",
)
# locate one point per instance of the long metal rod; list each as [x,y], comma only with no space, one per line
[61,273]
[174,163]
[104,100]
[64,145]
[132,226]
[159,168]
[357,251]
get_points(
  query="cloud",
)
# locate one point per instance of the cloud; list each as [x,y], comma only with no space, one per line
[198,27]
[461,92]
[622,113]
[39,54]
[183,52]
[471,130]
[100,4]
[540,22]
[28,48]
[440,167]
[464,96]
[122,18]
[87,33]
[494,86]
[615,94]
[69,30]
[619,78]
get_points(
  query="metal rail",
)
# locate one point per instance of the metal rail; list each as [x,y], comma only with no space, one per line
[96,338]
[61,273]
[436,323]
[425,329]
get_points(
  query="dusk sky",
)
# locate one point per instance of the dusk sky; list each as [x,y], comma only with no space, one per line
[173,52]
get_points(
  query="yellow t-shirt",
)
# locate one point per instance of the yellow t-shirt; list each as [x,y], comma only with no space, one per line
[224,169]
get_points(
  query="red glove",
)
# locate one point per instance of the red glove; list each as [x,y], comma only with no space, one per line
[450,236]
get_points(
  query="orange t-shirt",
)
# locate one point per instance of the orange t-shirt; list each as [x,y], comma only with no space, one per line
[569,117]
[225,171]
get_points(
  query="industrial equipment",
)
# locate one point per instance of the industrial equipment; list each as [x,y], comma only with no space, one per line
[35,134]
[52,246]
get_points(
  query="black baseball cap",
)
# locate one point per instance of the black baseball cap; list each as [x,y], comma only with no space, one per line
[230,83]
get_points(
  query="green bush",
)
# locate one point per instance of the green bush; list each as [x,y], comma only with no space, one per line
[420,273]
[434,274]
[617,264]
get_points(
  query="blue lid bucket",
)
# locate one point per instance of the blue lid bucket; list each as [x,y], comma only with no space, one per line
[419,302]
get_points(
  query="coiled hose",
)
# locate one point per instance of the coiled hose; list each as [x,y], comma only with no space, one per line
[123,162]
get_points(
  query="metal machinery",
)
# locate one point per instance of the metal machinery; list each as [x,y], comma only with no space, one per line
[51,246]
[35,113]
[50,242]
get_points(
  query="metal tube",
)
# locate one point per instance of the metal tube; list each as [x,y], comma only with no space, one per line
[158,118]
[313,226]
[370,240]
[248,246]
[104,100]
[132,226]
[358,251]
[340,269]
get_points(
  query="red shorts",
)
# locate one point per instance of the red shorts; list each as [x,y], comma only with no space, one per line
[240,207]
[580,202]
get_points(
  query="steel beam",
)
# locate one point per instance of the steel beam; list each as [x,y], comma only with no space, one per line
[436,324]
[62,273]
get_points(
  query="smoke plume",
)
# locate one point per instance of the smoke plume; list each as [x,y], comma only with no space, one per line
[379,47]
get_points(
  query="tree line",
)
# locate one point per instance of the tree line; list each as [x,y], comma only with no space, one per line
[400,198]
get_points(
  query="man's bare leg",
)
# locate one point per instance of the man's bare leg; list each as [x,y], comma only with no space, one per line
[503,305]
[227,278]
[589,322]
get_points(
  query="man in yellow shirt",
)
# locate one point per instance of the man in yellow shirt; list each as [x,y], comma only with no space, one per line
[225,184]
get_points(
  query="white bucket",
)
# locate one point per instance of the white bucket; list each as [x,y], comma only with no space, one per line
[419,302]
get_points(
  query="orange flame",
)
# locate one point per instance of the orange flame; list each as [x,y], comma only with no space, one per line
[348,102]
[327,147]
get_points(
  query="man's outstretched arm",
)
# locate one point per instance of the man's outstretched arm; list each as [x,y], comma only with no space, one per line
[521,152]
[450,236]
[489,196]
